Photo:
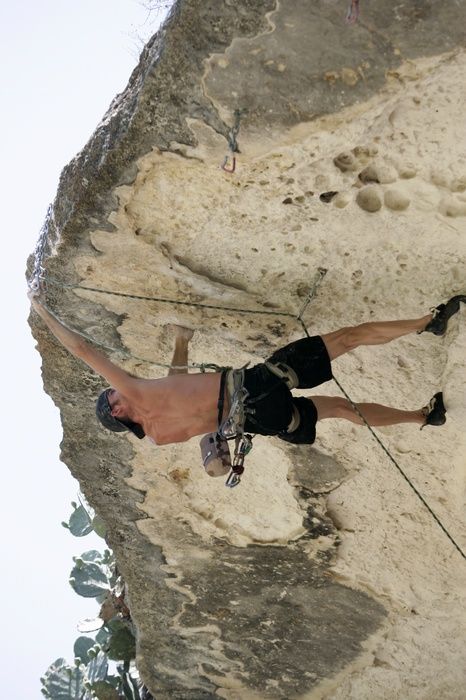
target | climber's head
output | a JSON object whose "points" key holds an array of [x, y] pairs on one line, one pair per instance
{"points": [[111, 409]]}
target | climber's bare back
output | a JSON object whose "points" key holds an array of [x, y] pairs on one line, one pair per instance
{"points": [[176, 408]]}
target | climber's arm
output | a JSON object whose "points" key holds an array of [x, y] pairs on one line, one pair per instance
{"points": [[72, 341]]}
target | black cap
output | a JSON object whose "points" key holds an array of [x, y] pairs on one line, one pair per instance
{"points": [[103, 411]]}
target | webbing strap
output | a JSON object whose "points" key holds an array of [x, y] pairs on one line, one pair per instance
{"points": [[221, 397]]}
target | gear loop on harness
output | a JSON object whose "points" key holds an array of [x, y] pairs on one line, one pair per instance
{"points": [[232, 427]]}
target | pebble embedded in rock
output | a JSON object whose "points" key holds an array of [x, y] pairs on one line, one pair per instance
{"points": [[459, 184], [378, 173], [396, 200], [342, 200], [364, 153], [322, 182], [346, 162], [452, 206], [407, 171], [369, 199], [369, 174], [441, 178]]}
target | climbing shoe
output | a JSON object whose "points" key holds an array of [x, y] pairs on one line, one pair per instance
{"points": [[442, 313], [435, 411]]}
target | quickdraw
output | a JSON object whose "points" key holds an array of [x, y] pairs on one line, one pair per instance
{"points": [[243, 445], [232, 144]]}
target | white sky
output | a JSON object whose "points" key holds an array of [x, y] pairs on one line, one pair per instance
{"points": [[62, 62]]}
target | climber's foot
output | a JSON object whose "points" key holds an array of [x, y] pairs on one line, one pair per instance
{"points": [[435, 411], [442, 313]]}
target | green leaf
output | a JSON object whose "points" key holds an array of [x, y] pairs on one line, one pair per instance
{"points": [[90, 624], [92, 555], [79, 523], [89, 580], [97, 668], [128, 689], [103, 637], [81, 647], [63, 682]]}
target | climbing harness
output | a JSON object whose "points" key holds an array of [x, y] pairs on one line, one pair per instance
{"points": [[242, 408], [215, 450], [234, 422], [229, 163]]}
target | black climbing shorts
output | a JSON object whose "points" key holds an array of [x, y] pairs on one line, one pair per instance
{"points": [[308, 357], [270, 404], [305, 433]]}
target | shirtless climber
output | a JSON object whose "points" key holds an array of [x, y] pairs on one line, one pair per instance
{"points": [[180, 406]]}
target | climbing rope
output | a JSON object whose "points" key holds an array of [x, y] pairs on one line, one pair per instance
{"points": [[54, 282], [203, 366], [318, 277], [393, 460]]}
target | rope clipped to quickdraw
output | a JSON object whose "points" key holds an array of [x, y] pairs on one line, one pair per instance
{"points": [[229, 163], [318, 277]]}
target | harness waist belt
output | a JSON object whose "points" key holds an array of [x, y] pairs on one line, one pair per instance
{"points": [[233, 425], [234, 385]]}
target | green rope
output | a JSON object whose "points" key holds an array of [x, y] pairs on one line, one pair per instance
{"points": [[163, 300], [203, 366]]}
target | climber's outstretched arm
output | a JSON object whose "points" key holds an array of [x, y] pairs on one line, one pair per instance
{"points": [[117, 378]]}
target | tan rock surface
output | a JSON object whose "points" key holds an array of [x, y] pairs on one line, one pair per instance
{"points": [[245, 593]]}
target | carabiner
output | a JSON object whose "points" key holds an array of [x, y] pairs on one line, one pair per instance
{"points": [[225, 164]]}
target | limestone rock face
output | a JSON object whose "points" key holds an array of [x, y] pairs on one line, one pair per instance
{"points": [[322, 574]]}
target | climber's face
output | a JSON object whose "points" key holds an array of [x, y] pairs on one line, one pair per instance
{"points": [[117, 404]]}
